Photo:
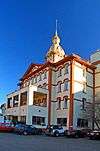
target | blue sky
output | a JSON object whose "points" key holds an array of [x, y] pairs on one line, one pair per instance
{"points": [[26, 29]]}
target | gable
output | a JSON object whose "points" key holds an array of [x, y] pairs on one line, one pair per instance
{"points": [[32, 67]]}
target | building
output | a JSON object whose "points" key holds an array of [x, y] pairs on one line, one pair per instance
{"points": [[3, 109], [58, 91]]}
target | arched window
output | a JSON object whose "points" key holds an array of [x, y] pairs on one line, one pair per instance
{"points": [[59, 72], [83, 103], [35, 80], [84, 87], [66, 68], [32, 81], [59, 87], [39, 86], [40, 77], [58, 103], [65, 85], [44, 85], [65, 102], [45, 74]]}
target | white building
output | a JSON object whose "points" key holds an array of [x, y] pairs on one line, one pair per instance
{"points": [[57, 91]]}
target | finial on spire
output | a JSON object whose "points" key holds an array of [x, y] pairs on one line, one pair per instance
{"points": [[56, 28]]}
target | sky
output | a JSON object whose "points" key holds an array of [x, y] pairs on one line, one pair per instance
{"points": [[26, 29]]}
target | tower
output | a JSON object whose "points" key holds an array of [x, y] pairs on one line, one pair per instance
{"points": [[55, 53]]}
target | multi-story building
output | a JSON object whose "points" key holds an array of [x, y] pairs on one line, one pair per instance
{"points": [[58, 91]]}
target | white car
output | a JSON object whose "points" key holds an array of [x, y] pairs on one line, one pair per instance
{"points": [[54, 130]]}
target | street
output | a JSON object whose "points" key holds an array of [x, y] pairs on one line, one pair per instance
{"points": [[13, 142]]}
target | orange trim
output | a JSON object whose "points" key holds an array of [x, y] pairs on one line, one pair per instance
{"points": [[97, 72], [79, 82], [49, 94], [71, 96], [96, 62], [97, 87], [89, 71], [93, 99], [89, 86], [66, 59]]}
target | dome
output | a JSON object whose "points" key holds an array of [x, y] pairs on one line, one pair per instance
{"points": [[56, 52]]}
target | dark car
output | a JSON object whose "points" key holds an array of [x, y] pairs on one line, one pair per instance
{"points": [[94, 134], [76, 133], [54, 130], [26, 130]]}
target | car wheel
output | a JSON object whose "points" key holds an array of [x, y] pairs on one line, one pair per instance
{"points": [[76, 136], [25, 133], [57, 134]]}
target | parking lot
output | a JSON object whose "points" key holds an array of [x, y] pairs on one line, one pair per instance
{"points": [[13, 142]]}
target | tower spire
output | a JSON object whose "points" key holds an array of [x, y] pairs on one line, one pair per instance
{"points": [[56, 33]]}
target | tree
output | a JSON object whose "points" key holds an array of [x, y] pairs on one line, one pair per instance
{"points": [[92, 113]]}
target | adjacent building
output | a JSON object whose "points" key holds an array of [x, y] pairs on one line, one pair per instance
{"points": [[58, 91]]}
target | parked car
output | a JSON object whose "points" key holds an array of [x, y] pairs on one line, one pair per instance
{"points": [[94, 134], [54, 130], [23, 129], [78, 133], [4, 127]]}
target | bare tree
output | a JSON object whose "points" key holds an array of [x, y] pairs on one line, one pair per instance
{"points": [[92, 112]]}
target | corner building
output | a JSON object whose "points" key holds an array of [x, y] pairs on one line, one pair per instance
{"points": [[56, 92]]}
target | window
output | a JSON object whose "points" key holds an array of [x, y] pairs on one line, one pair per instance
{"points": [[45, 75], [9, 102], [84, 87], [58, 103], [62, 121], [66, 68], [83, 103], [32, 81], [15, 101], [23, 119], [59, 87], [40, 77], [39, 99], [35, 80], [39, 86], [44, 85], [65, 103], [82, 122], [59, 72], [37, 120], [65, 85], [84, 72], [23, 99]]}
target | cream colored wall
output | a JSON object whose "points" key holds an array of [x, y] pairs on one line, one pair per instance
{"points": [[62, 113], [97, 78], [35, 110], [16, 111], [78, 90], [29, 110], [89, 79], [96, 57]]}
